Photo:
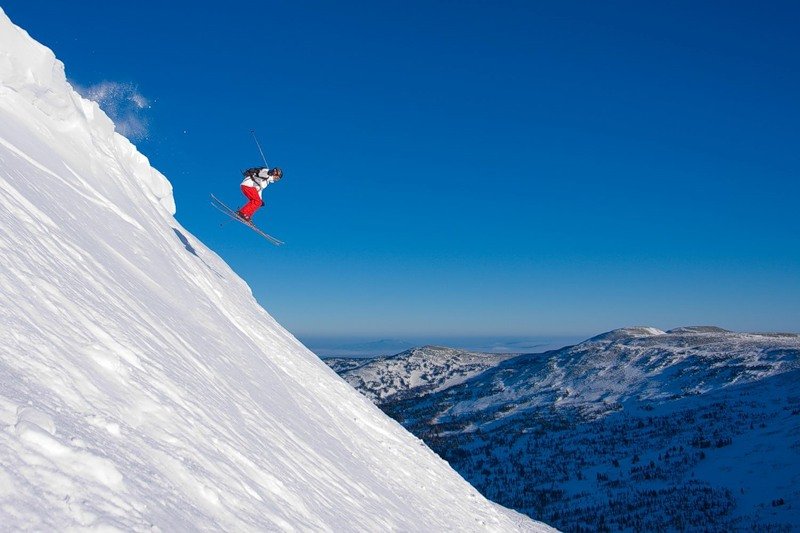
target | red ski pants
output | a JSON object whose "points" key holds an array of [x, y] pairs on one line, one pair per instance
{"points": [[254, 203]]}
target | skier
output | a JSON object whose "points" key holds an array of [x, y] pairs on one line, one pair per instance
{"points": [[255, 181]]}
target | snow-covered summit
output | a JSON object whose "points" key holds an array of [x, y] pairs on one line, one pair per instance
{"points": [[699, 329], [33, 74], [141, 386], [629, 332]]}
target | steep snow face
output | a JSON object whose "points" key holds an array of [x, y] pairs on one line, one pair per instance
{"points": [[141, 386]]}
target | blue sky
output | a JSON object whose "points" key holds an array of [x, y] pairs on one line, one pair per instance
{"points": [[473, 168]]}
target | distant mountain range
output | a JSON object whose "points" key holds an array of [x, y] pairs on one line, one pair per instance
{"points": [[352, 349], [349, 347], [635, 429], [413, 373]]}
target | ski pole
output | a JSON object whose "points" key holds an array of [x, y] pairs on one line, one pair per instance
{"points": [[253, 132]]}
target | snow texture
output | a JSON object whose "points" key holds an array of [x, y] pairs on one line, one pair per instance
{"points": [[141, 385]]}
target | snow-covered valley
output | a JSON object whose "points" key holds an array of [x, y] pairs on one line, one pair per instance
{"points": [[142, 388]]}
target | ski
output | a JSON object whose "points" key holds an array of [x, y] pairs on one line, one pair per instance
{"points": [[220, 205]]}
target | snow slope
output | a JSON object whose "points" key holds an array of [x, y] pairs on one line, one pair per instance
{"points": [[141, 385]]}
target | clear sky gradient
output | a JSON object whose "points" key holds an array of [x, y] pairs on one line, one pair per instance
{"points": [[474, 168]]}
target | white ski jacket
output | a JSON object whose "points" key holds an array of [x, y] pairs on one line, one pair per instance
{"points": [[259, 182]]}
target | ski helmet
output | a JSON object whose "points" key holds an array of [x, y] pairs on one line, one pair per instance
{"points": [[276, 172]]}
